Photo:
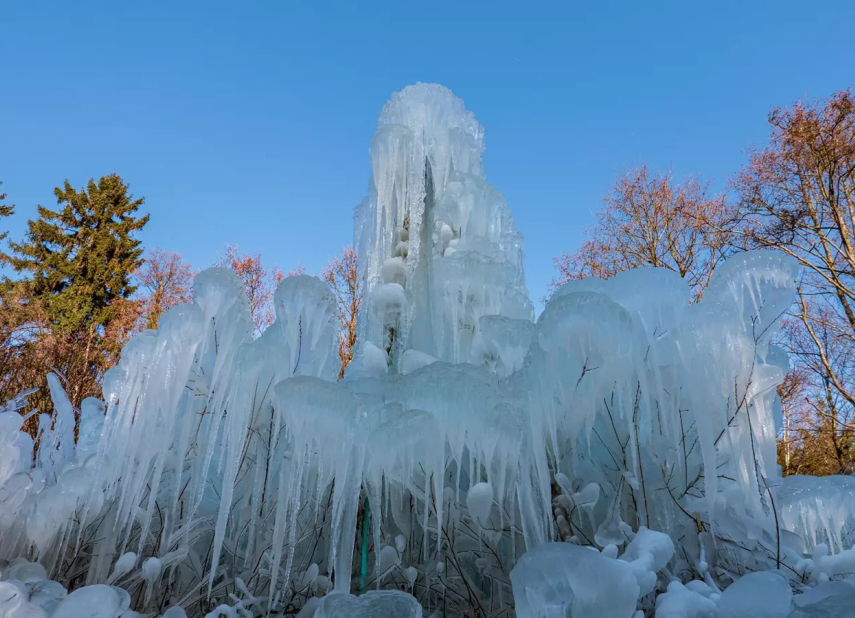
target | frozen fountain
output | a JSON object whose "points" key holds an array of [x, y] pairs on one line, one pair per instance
{"points": [[470, 457]]}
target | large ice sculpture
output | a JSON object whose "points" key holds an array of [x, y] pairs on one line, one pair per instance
{"points": [[438, 244], [235, 476]]}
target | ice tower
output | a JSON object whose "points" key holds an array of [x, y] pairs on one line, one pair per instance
{"points": [[438, 245]]}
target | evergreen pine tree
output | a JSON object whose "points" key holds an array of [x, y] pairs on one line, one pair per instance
{"points": [[72, 300], [78, 260]]}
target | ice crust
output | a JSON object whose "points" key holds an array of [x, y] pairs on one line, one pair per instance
{"points": [[563, 463]]}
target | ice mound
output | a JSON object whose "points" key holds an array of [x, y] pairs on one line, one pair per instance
{"points": [[26, 593], [558, 579], [374, 604], [834, 599], [757, 595]]}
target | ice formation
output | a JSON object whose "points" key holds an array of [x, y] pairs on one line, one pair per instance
{"points": [[615, 457]]}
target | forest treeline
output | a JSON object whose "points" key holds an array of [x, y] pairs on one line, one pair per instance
{"points": [[80, 283]]}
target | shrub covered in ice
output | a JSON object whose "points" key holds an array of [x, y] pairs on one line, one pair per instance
{"points": [[615, 456]]}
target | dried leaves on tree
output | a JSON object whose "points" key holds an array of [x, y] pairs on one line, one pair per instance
{"points": [[259, 282], [342, 276], [797, 195], [166, 281], [649, 219]]}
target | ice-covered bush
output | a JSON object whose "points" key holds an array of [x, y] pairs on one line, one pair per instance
{"points": [[615, 456]]}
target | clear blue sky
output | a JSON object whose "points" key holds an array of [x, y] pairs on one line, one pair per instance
{"points": [[249, 123]]}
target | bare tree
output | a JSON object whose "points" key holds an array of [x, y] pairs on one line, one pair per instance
{"points": [[797, 195], [166, 280], [259, 282], [341, 275], [650, 220]]}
